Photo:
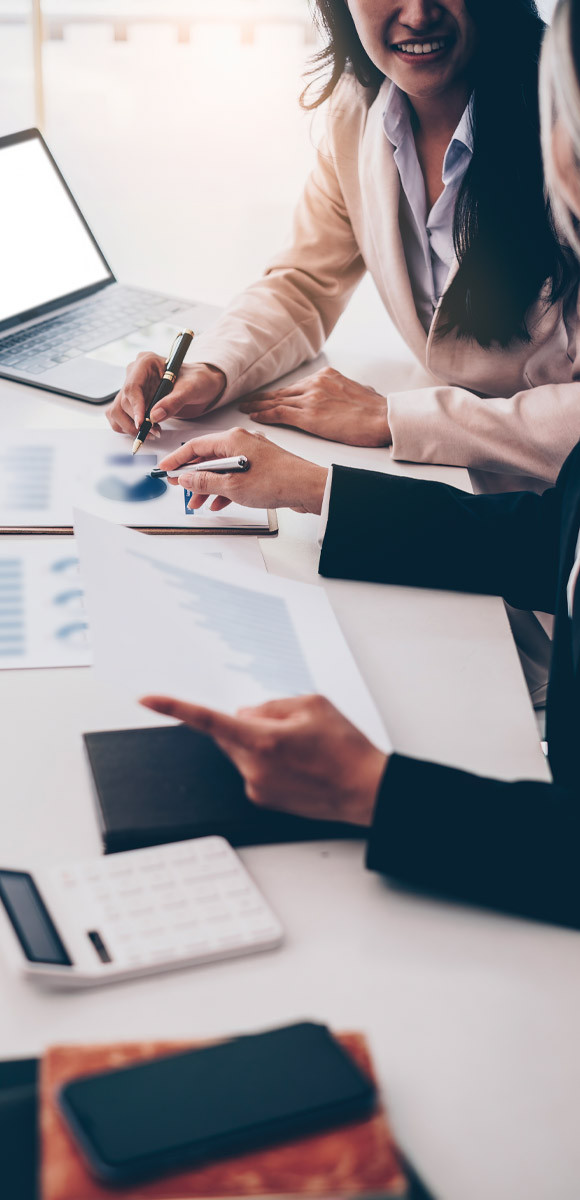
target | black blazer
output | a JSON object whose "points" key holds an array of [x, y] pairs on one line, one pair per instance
{"points": [[509, 846]]}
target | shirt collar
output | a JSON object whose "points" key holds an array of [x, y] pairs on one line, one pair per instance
{"points": [[397, 126], [461, 144], [396, 116]]}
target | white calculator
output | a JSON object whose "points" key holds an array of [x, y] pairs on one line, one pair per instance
{"points": [[134, 913]]}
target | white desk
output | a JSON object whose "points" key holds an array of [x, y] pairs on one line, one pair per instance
{"points": [[472, 1018]]}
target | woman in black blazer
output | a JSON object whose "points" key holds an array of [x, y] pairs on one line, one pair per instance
{"points": [[511, 846]]}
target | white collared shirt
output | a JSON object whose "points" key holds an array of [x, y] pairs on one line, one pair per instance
{"points": [[572, 579], [427, 237]]}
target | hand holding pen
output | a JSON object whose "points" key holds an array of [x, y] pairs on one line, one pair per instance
{"points": [[270, 477], [219, 466], [198, 388], [167, 383]]}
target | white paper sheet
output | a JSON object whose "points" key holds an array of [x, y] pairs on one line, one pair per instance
{"points": [[212, 633], [44, 474], [43, 619]]}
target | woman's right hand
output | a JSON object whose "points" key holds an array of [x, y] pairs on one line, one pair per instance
{"points": [[198, 387], [276, 479]]}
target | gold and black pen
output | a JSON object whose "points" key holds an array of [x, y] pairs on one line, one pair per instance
{"points": [[167, 383]]}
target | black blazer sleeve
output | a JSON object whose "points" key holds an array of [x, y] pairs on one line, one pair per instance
{"points": [[388, 529], [507, 846]]}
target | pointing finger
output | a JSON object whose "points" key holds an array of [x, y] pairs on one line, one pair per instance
{"points": [[276, 709], [205, 720]]}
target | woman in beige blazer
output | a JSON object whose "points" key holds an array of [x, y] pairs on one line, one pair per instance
{"points": [[500, 345], [511, 846]]}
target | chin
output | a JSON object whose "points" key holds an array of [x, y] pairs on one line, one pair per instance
{"points": [[420, 81]]}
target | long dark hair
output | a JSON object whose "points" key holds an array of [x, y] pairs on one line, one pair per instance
{"points": [[503, 232]]}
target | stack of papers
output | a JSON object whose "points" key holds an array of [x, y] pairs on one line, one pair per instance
{"points": [[43, 619]]}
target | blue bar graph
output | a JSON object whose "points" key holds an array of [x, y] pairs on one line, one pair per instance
{"points": [[26, 477], [12, 614], [251, 624]]}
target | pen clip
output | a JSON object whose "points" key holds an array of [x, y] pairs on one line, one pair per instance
{"points": [[173, 345], [175, 340]]}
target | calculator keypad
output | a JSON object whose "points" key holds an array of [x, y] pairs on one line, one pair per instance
{"points": [[183, 901]]}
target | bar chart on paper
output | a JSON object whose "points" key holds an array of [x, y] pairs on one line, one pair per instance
{"points": [[221, 634], [42, 613], [43, 621], [249, 632]]}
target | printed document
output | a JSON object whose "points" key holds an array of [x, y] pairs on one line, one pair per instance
{"points": [[209, 632], [43, 619], [42, 614], [44, 474]]}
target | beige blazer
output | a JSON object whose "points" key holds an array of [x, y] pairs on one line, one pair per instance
{"points": [[513, 412]]}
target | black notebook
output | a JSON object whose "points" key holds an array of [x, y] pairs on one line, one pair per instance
{"points": [[169, 784], [18, 1131]]}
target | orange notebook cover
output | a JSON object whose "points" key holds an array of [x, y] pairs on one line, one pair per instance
{"points": [[355, 1160]]}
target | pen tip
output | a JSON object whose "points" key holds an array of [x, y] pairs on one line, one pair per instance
{"points": [[136, 446]]}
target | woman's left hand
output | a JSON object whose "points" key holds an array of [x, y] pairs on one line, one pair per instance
{"points": [[327, 404], [299, 755]]}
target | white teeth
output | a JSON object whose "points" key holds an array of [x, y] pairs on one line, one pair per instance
{"points": [[420, 47]]}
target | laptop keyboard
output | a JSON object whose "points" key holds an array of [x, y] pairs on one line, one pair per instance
{"points": [[109, 315]]}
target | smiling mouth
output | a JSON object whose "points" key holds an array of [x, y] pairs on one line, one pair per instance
{"points": [[422, 48]]}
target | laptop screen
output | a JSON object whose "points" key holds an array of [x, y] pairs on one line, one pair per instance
{"points": [[46, 250]]}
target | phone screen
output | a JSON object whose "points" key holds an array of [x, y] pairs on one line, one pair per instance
{"points": [[216, 1100]]}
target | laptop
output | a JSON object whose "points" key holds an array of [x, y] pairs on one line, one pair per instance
{"points": [[66, 324]]}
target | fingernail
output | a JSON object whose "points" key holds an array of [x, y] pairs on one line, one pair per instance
{"points": [[159, 414]]}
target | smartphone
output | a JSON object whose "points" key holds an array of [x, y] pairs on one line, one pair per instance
{"points": [[183, 1109]]}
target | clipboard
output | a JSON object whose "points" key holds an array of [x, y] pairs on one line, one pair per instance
{"points": [[271, 529]]}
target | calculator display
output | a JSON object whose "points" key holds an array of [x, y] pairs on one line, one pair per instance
{"points": [[31, 920]]}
